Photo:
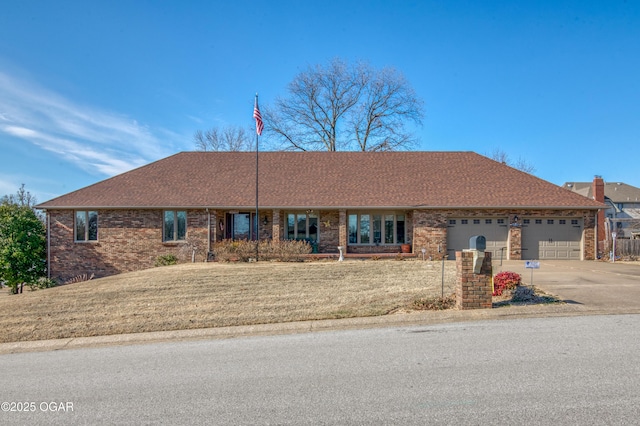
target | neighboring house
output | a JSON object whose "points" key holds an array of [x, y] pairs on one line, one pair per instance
{"points": [[367, 202], [623, 206]]}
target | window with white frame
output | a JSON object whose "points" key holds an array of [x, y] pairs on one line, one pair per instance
{"points": [[175, 225], [376, 228], [86, 227], [302, 225]]}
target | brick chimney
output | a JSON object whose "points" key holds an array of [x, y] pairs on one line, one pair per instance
{"points": [[598, 195]]}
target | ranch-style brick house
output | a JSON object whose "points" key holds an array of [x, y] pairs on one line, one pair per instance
{"points": [[366, 202]]}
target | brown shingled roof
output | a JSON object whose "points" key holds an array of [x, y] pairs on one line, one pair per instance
{"points": [[324, 179], [618, 192]]}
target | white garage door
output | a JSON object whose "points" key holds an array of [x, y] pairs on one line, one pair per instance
{"points": [[495, 231], [552, 238]]}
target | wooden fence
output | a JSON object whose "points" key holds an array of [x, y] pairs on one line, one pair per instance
{"points": [[624, 247]]}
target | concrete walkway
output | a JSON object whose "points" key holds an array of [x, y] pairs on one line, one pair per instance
{"points": [[589, 288]]}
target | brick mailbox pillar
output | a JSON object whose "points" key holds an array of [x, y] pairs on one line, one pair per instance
{"points": [[473, 291]]}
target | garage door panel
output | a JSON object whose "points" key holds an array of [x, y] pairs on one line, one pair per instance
{"points": [[461, 229], [551, 238]]}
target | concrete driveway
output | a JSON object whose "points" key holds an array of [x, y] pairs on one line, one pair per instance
{"points": [[596, 286]]}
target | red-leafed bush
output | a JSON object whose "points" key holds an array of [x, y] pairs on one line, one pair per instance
{"points": [[505, 281]]}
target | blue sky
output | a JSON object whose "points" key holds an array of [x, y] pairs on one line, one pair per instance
{"points": [[89, 89]]}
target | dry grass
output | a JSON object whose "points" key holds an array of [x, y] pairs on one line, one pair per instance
{"points": [[215, 295]]}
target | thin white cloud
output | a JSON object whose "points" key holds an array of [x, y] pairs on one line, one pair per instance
{"points": [[104, 161], [93, 139], [21, 132]]}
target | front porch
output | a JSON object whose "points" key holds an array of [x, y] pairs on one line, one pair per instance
{"points": [[362, 233]]}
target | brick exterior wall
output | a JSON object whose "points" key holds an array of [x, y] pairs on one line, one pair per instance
{"points": [[130, 240], [473, 291], [430, 232], [276, 229], [217, 234], [329, 232], [589, 236]]}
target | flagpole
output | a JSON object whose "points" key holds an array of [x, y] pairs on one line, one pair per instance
{"points": [[257, 219]]}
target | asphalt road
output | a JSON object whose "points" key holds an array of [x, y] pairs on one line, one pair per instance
{"points": [[562, 370]]}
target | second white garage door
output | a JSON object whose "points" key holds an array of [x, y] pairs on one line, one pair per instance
{"points": [[495, 230], [552, 238]]}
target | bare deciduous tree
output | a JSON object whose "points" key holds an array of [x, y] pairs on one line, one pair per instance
{"points": [[345, 107], [521, 164], [230, 138], [22, 198]]}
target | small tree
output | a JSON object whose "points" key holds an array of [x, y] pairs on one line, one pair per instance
{"points": [[230, 138], [521, 164], [22, 198], [22, 246]]}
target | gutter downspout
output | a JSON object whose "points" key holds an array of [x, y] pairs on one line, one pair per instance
{"points": [[208, 234]]}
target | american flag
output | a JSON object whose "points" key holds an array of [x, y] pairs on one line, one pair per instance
{"points": [[258, 117]]}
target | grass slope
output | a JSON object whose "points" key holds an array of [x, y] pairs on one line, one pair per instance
{"points": [[216, 294]]}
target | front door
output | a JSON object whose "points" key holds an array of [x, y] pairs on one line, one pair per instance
{"points": [[239, 226]]}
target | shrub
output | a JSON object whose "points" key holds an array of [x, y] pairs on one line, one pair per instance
{"points": [[434, 304], [79, 278], [42, 283], [243, 251], [505, 281], [230, 250], [166, 260], [287, 250]]}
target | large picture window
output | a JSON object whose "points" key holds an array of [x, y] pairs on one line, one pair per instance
{"points": [[86, 226], [302, 226], [376, 228], [175, 225]]}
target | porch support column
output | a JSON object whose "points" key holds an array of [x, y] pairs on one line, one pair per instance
{"points": [[342, 229], [514, 249], [215, 231], [275, 228], [589, 235]]}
